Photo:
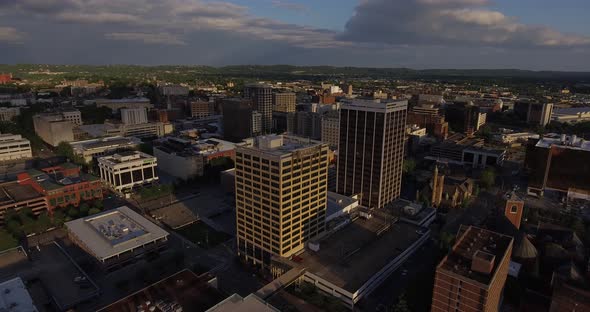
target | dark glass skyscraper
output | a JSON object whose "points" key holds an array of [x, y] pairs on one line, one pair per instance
{"points": [[371, 150], [261, 96]]}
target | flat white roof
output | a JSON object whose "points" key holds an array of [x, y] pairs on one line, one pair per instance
{"points": [[114, 232], [14, 297], [580, 144]]}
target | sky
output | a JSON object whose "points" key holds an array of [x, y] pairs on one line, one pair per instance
{"points": [[521, 34]]}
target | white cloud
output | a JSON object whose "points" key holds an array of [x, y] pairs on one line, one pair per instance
{"points": [[448, 22], [160, 38], [11, 35]]}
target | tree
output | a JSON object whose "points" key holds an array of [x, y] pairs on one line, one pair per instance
{"points": [[84, 209], [488, 178], [7, 241], [98, 204], [73, 212], [402, 304], [93, 211], [58, 218], [409, 166], [147, 148]]}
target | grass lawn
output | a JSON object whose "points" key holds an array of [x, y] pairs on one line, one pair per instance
{"points": [[203, 235], [7, 241]]}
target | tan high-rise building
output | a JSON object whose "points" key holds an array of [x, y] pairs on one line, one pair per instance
{"points": [[281, 187], [472, 276], [371, 150], [284, 102]]}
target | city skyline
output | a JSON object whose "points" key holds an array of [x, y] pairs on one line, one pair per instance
{"points": [[537, 35]]}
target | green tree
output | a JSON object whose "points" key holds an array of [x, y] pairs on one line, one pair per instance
{"points": [[7, 241], [58, 218], [93, 211], [84, 209], [488, 178], [402, 304], [43, 223], [147, 148], [98, 204], [409, 166], [73, 212]]}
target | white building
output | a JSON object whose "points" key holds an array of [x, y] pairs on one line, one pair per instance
{"points": [[14, 297], [8, 113], [13, 146], [116, 236], [72, 115], [571, 115], [124, 171], [53, 128], [134, 116], [101, 147], [186, 159]]}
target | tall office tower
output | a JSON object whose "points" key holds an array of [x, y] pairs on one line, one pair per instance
{"points": [[471, 277], [261, 96], [281, 187], [134, 116], [284, 102], [371, 150], [237, 119]]}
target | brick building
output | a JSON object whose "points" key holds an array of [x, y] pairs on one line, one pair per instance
{"points": [[62, 185], [471, 277]]}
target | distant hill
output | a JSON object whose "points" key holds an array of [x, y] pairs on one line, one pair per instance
{"points": [[187, 73]]}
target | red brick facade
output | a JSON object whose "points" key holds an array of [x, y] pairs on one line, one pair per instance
{"points": [[61, 194]]}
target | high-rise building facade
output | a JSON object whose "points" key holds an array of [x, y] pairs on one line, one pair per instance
{"points": [[201, 109], [371, 150], [472, 276], [237, 119], [134, 116], [281, 187], [330, 128], [284, 102], [261, 96]]}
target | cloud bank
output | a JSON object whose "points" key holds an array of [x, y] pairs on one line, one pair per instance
{"points": [[415, 33]]}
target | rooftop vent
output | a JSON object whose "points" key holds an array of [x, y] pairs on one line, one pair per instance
{"points": [[483, 262]]}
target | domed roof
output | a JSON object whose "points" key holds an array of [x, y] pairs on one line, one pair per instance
{"points": [[524, 249]]}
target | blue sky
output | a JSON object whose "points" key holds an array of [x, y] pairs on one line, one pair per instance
{"points": [[525, 34]]}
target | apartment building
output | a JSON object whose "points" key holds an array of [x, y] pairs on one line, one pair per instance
{"points": [[9, 113], [201, 109], [284, 102]]}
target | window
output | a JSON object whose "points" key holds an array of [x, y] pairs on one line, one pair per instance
{"points": [[514, 209]]}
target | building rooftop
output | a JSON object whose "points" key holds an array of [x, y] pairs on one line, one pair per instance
{"points": [[337, 202], [183, 291], [12, 192], [279, 145], [126, 156], [129, 100], [106, 142], [375, 105], [349, 257], [564, 141], [571, 111], [235, 303], [474, 243], [14, 297], [115, 231]]}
